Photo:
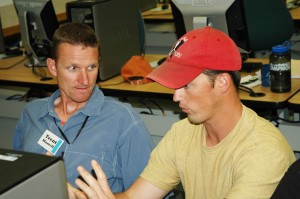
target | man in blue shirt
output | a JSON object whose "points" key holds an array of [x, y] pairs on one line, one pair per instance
{"points": [[78, 121]]}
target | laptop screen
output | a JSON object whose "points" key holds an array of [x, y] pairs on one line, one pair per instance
{"points": [[22, 175]]}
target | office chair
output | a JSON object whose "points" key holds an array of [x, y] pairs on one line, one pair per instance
{"points": [[288, 187]]}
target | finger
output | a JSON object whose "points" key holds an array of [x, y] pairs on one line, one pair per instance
{"points": [[75, 193], [71, 194], [101, 177], [48, 153], [70, 185], [90, 186], [71, 191], [104, 189]]}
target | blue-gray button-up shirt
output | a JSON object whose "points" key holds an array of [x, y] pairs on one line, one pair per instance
{"points": [[114, 135]]}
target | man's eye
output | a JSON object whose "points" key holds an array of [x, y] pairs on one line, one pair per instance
{"points": [[92, 67], [72, 68]]}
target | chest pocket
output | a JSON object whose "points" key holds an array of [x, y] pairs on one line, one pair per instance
{"points": [[74, 158]]}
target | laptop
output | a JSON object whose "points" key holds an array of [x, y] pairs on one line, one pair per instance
{"points": [[30, 175]]}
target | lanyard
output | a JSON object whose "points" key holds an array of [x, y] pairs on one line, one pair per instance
{"points": [[62, 133]]}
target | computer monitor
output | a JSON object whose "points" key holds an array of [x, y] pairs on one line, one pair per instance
{"points": [[38, 23], [30, 175], [254, 25], [117, 26]]}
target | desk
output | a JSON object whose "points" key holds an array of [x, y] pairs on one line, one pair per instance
{"points": [[271, 100], [147, 15], [295, 13], [13, 30], [167, 14], [21, 75], [163, 15], [158, 15]]}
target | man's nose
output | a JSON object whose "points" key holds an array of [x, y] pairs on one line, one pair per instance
{"points": [[178, 95], [83, 79]]}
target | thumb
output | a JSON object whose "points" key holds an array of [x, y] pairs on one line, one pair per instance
{"points": [[48, 153]]}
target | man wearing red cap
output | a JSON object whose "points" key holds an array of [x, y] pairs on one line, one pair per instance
{"points": [[222, 149]]}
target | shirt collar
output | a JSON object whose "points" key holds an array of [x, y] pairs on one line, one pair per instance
{"points": [[92, 107]]}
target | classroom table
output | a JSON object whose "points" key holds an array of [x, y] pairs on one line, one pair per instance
{"points": [[21, 75]]}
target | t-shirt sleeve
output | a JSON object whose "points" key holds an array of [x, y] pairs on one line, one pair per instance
{"points": [[134, 153], [161, 170]]}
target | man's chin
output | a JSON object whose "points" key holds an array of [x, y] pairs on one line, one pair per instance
{"points": [[192, 121], [82, 97], [81, 100]]}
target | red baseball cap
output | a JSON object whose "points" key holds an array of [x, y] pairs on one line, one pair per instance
{"points": [[198, 50]]}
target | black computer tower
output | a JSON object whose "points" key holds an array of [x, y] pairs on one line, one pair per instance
{"points": [[116, 24]]}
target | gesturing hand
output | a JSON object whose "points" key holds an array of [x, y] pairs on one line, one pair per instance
{"points": [[94, 188]]}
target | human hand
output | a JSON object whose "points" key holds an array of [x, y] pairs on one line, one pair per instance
{"points": [[74, 193], [94, 188]]}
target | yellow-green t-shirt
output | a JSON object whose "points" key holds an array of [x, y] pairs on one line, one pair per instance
{"points": [[248, 163]]}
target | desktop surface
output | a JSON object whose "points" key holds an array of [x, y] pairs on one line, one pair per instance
{"points": [[161, 13], [116, 86]]}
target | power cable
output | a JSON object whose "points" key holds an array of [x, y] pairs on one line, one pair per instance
{"points": [[251, 92]]}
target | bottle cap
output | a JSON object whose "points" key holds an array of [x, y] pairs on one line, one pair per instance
{"points": [[281, 48]]}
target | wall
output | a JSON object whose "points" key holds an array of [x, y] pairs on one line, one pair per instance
{"points": [[9, 16]]}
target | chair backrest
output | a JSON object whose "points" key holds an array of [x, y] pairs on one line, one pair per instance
{"points": [[289, 185]]}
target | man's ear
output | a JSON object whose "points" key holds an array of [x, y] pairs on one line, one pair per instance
{"points": [[224, 81], [51, 66]]}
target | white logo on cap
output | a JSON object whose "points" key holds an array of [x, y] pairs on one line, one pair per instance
{"points": [[176, 46]]}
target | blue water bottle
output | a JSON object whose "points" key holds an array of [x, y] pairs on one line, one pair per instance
{"points": [[280, 68]]}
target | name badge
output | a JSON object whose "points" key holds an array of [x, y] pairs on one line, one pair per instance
{"points": [[50, 142]]}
